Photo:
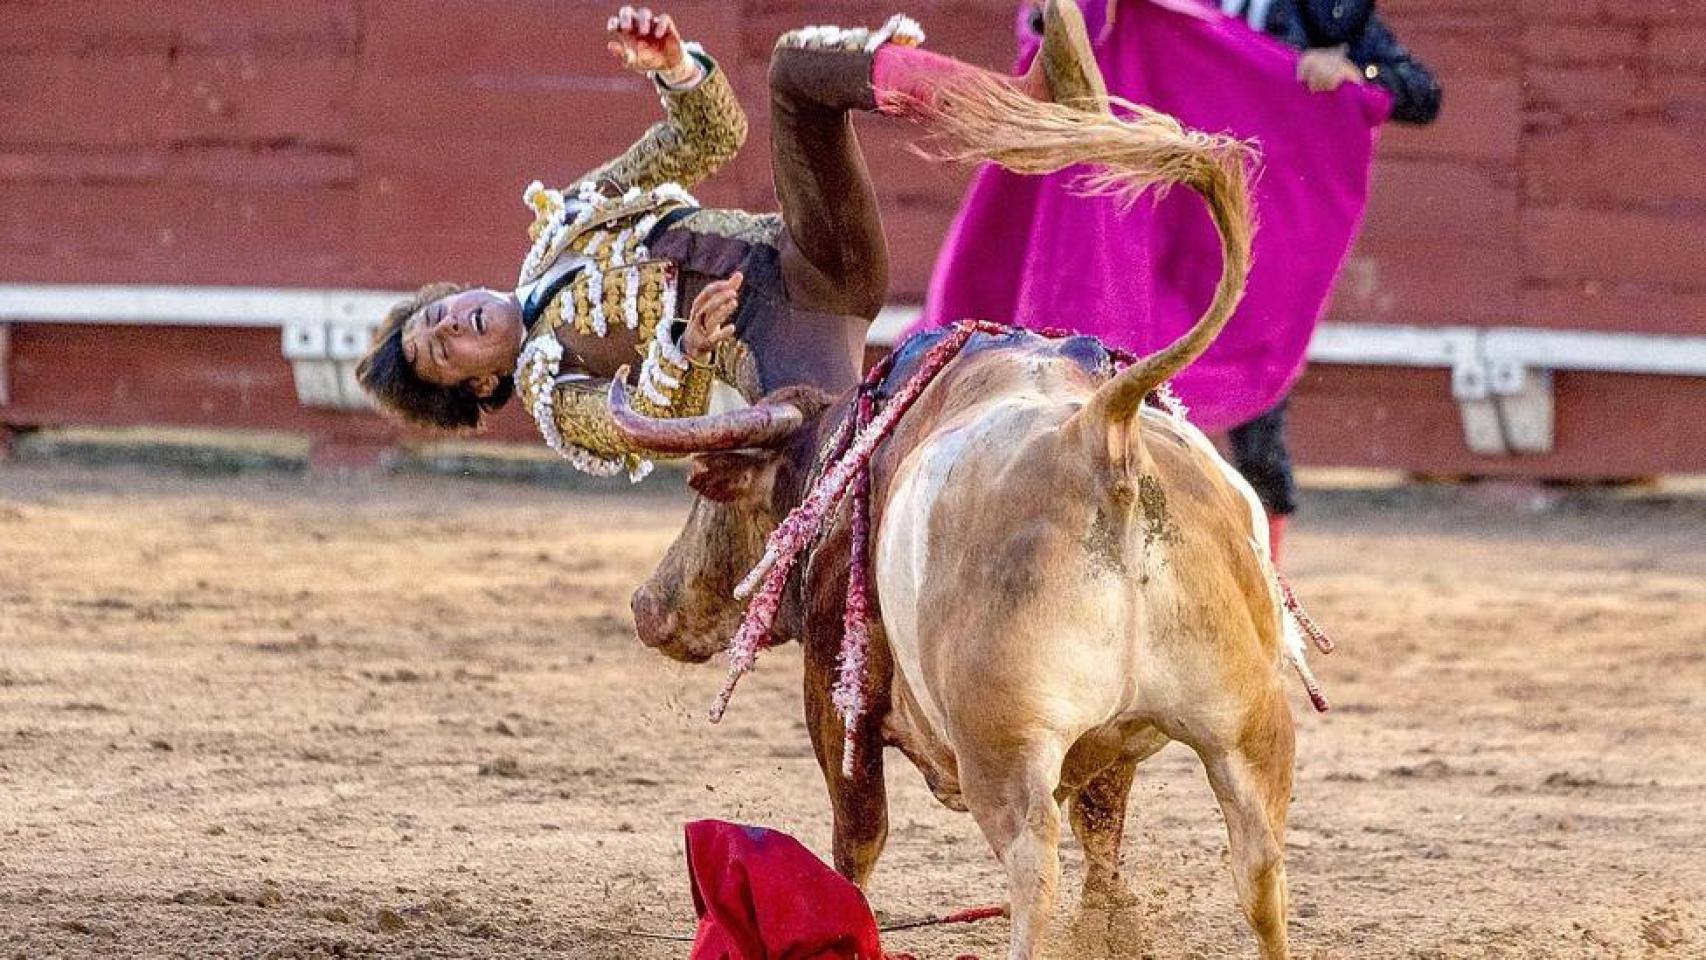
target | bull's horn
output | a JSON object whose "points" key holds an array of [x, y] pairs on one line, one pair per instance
{"points": [[763, 425]]}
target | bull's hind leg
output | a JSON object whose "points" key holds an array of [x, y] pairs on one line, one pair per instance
{"points": [[1253, 783], [1013, 801], [1098, 820]]}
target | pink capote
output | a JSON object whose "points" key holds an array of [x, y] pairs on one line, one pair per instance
{"points": [[1028, 250]]}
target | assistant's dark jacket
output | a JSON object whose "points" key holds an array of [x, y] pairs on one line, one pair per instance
{"points": [[1368, 42]]}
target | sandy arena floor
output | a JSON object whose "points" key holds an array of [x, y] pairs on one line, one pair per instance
{"points": [[276, 717]]}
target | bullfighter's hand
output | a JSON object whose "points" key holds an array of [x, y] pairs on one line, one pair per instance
{"points": [[1325, 69], [708, 320], [648, 43]]}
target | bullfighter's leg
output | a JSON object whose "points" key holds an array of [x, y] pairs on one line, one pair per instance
{"points": [[1012, 798], [860, 799], [1098, 821], [1252, 781], [835, 258]]}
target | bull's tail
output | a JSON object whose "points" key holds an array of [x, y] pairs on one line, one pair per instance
{"points": [[985, 120]]}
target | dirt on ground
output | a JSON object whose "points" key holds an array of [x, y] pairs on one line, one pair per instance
{"points": [[285, 717]]}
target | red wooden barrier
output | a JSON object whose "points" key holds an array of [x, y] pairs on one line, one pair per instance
{"points": [[355, 143]]}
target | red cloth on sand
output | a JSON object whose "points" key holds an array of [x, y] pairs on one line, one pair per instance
{"points": [[761, 895]]}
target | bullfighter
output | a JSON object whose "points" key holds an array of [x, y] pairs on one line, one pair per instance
{"points": [[775, 300]]}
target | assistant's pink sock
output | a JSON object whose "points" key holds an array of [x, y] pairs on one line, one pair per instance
{"points": [[1276, 533]]}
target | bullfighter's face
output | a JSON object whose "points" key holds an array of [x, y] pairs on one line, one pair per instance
{"points": [[469, 337]]}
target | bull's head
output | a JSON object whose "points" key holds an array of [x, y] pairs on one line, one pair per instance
{"points": [[748, 467]]}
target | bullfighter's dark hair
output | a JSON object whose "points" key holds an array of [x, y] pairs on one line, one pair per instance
{"points": [[387, 377]]}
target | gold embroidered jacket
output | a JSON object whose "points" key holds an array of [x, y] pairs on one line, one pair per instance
{"points": [[598, 228]]}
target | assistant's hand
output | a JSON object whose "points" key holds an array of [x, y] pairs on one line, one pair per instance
{"points": [[646, 43], [1325, 69], [708, 319]]}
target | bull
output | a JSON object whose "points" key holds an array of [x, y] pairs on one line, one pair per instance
{"points": [[1067, 579]]}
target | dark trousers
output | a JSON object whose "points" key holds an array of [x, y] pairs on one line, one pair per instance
{"points": [[835, 258], [1260, 454], [832, 256]]}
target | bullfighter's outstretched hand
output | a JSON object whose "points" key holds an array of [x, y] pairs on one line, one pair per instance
{"points": [[650, 43]]}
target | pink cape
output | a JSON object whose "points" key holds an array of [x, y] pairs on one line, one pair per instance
{"points": [[1027, 250]]}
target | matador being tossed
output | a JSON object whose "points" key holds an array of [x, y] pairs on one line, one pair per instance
{"points": [[774, 300]]}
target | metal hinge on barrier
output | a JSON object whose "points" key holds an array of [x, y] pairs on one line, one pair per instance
{"points": [[1472, 388], [1522, 396]]}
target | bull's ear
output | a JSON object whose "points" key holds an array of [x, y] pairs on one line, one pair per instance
{"points": [[733, 476]]}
